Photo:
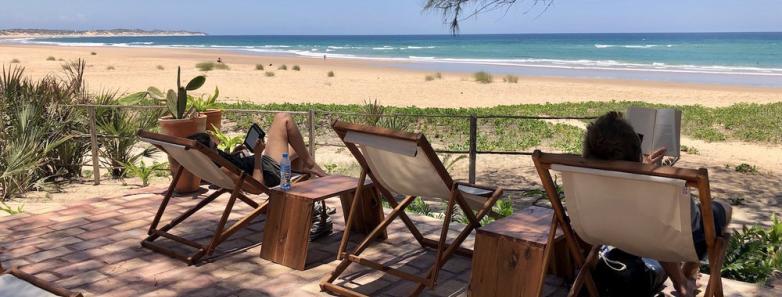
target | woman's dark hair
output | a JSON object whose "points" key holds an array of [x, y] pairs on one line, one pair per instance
{"points": [[611, 137], [202, 138]]}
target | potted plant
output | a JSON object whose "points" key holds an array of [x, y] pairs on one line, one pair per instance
{"points": [[182, 121], [206, 106]]}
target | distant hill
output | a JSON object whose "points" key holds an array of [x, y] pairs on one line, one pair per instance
{"points": [[106, 33]]}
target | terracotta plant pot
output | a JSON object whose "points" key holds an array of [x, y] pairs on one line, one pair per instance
{"points": [[188, 182], [214, 119]]}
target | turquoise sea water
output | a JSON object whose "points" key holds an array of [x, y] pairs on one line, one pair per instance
{"points": [[741, 58]]}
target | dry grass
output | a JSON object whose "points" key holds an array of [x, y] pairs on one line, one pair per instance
{"points": [[258, 66], [512, 79], [269, 73], [482, 77], [296, 68], [50, 58], [330, 74]]}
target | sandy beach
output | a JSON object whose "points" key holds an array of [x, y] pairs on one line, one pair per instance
{"points": [[355, 81]]}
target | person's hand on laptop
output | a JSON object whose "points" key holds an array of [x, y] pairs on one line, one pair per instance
{"points": [[259, 146], [656, 157]]}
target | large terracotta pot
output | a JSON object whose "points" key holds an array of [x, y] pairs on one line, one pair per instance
{"points": [[214, 119], [188, 182]]}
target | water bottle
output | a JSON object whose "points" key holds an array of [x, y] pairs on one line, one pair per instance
{"points": [[285, 172]]}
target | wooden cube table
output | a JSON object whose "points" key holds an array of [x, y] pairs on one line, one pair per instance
{"points": [[287, 231], [510, 255]]}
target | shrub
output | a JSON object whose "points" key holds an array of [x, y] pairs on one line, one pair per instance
{"points": [[222, 66], [689, 149], [746, 168], [160, 67], [145, 172], [110, 68], [258, 66], [120, 125], [330, 74], [205, 66], [269, 73], [282, 67], [482, 77], [93, 53], [226, 143], [438, 75], [512, 79], [38, 118], [754, 253], [15, 60], [296, 68], [50, 58], [428, 78]]}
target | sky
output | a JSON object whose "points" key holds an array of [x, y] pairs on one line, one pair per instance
{"points": [[316, 17]]}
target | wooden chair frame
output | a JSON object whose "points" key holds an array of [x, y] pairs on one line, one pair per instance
{"points": [[444, 250], [716, 244], [40, 283], [243, 183]]}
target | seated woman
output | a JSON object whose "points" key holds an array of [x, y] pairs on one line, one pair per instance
{"points": [[264, 164], [610, 137]]}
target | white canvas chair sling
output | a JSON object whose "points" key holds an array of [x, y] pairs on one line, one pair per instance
{"points": [[641, 209], [405, 164], [200, 161], [14, 282]]}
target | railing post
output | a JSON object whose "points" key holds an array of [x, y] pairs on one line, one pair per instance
{"points": [[311, 128], [94, 145], [473, 146]]}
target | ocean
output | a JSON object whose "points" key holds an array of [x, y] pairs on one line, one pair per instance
{"points": [[720, 58]]}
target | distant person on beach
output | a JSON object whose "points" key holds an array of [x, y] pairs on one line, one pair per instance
{"points": [[611, 137], [219, 60], [324, 57]]}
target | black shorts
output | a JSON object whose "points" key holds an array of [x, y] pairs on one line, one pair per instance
{"points": [[271, 170], [720, 221]]}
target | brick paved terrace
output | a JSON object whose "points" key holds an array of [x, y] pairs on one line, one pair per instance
{"points": [[93, 247]]}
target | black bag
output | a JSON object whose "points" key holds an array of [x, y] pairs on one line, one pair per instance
{"points": [[619, 274]]}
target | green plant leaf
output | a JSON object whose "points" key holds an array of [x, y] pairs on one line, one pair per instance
{"points": [[213, 99], [155, 92], [195, 83], [171, 102], [181, 103]]}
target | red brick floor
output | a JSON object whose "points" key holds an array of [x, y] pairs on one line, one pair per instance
{"points": [[93, 247]]}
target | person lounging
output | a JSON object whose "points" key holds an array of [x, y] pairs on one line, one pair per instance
{"points": [[263, 162], [611, 137]]}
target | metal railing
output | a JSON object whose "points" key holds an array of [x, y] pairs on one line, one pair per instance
{"points": [[311, 115]]}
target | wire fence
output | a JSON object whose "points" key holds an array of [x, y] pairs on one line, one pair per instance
{"points": [[312, 122]]}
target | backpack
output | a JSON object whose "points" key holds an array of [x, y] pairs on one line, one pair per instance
{"points": [[620, 274]]}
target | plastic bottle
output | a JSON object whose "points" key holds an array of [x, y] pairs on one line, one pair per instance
{"points": [[285, 172]]}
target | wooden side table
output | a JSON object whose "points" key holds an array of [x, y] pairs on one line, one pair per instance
{"points": [[511, 256], [289, 219]]}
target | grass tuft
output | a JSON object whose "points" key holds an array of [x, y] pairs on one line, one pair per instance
{"points": [[746, 168], [511, 79], [160, 67], [689, 149], [269, 73], [15, 60], [110, 68], [258, 66], [50, 58], [428, 78], [206, 66], [222, 66], [296, 68], [93, 53], [282, 67], [482, 77], [330, 74]]}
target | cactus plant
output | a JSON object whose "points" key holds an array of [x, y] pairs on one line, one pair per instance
{"points": [[177, 100]]}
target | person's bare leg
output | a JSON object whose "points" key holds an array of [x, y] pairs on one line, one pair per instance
{"points": [[690, 271], [284, 136], [680, 282]]}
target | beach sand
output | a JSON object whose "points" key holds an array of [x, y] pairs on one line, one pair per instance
{"points": [[355, 81]]}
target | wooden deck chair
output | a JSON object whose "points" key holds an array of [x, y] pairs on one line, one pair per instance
{"points": [[203, 162], [14, 282], [405, 164], [633, 206]]}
